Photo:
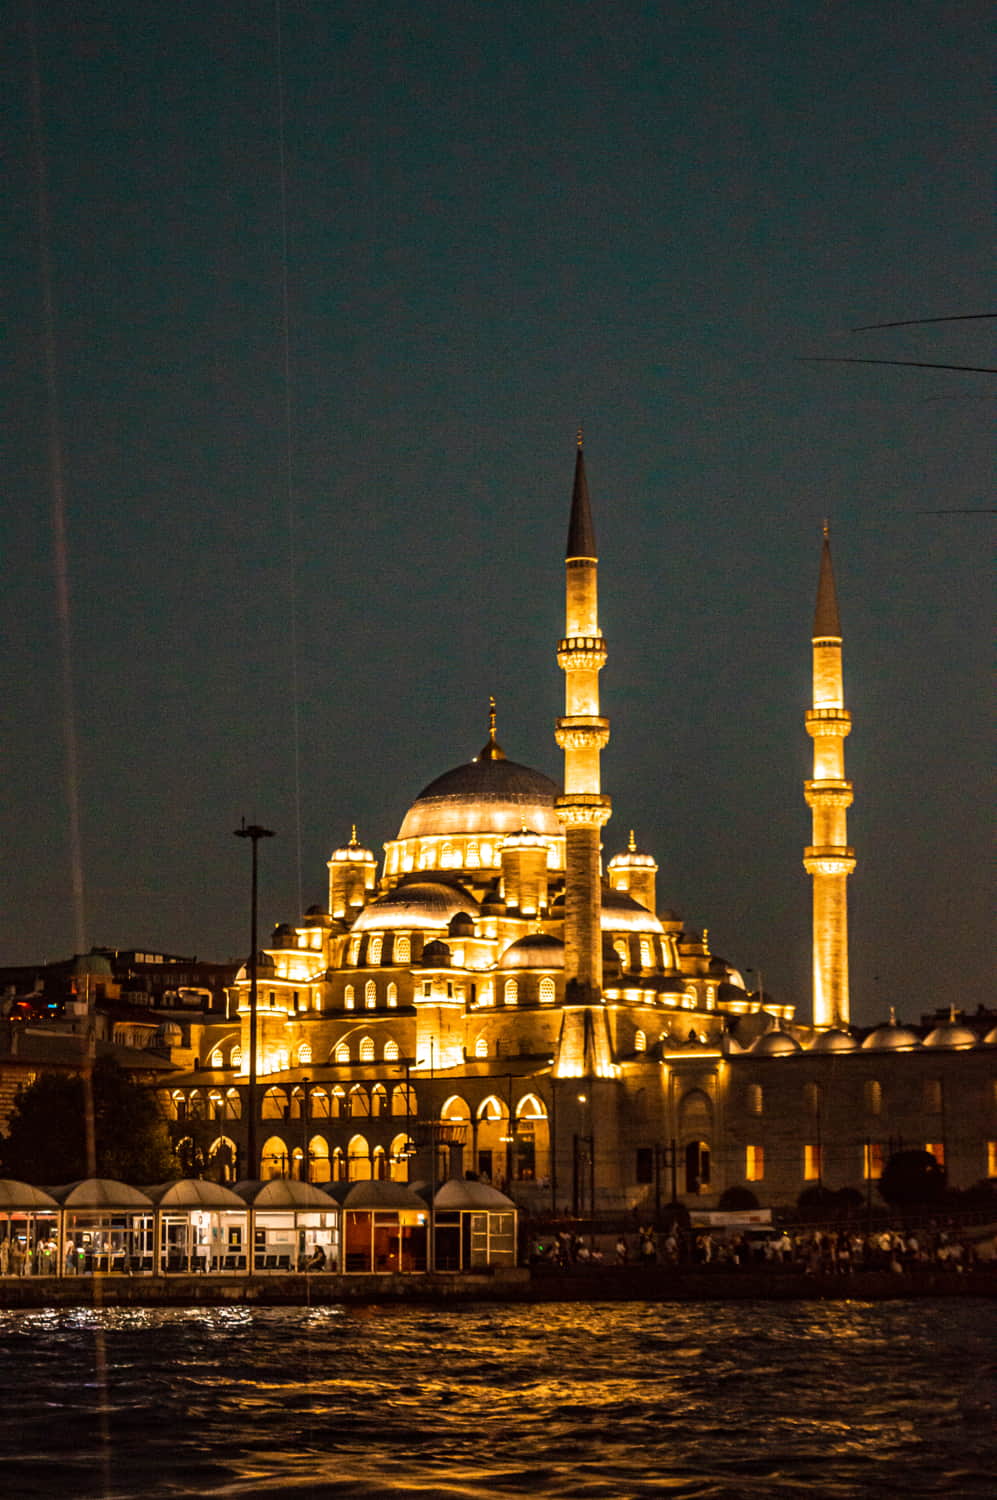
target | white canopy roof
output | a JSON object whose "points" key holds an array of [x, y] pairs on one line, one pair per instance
{"points": [[14, 1194], [100, 1192]]}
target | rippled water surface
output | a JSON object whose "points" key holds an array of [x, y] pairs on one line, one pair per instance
{"points": [[595, 1400]]}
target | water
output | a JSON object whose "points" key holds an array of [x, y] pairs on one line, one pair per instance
{"points": [[573, 1401]]}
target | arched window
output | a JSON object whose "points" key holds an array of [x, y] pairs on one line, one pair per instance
{"points": [[338, 1165], [350, 997], [473, 856], [640, 1041], [403, 948], [481, 1047], [400, 1151], [354, 952], [216, 1105], [359, 1159], [304, 1054], [403, 1100], [370, 995], [548, 991], [812, 1098], [233, 1104], [367, 1049], [873, 1097], [274, 1105], [217, 1059], [380, 1165], [298, 1164], [337, 1102], [273, 1162], [221, 1159], [318, 1104], [359, 1102], [510, 994], [318, 1159], [236, 1057], [342, 1052], [283, 1059], [378, 1100], [392, 996], [646, 959], [754, 1099], [391, 1050], [374, 950], [622, 951]]}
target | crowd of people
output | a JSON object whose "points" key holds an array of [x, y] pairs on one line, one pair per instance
{"points": [[816, 1252]]}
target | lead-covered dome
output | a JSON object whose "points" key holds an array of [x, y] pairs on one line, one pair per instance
{"points": [[538, 950], [488, 795], [415, 905], [953, 1035], [775, 1043], [833, 1040]]}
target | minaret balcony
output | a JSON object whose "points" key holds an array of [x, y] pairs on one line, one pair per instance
{"points": [[582, 732], [829, 859], [583, 809], [582, 653], [827, 723], [828, 793]]}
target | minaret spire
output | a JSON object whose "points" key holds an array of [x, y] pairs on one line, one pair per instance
{"points": [[829, 860], [581, 733]]}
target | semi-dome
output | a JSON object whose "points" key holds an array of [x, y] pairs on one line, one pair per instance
{"points": [[415, 905], [538, 950], [488, 795], [775, 1043], [833, 1040], [953, 1035], [621, 913]]}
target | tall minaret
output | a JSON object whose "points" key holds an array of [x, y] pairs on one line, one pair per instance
{"points": [[581, 734], [829, 860]]}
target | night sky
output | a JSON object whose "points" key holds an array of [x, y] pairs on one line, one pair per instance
{"points": [[502, 221]]}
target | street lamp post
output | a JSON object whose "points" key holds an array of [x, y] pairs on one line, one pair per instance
{"points": [[254, 832]]}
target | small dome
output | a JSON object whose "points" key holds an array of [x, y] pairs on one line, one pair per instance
{"points": [[435, 955], [621, 913], [462, 925], [632, 858], [535, 951], [353, 853], [415, 905], [990, 1040], [833, 1040], [169, 1034], [775, 1043], [892, 1037], [951, 1035], [265, 968], [524, 839]]}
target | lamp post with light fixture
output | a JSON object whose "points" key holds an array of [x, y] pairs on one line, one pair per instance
{"points": [[255, 833]]}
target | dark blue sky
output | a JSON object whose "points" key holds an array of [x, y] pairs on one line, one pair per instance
{"points": [[502, 220]]}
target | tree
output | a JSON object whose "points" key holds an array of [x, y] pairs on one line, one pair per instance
{"points": [[912, 1179], [736, 1198], [46, 1140]]}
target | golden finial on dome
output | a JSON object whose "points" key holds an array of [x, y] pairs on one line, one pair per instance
{"points": [[632, 845], [353, 833], [827, 529], [492, 719], [493, 750], [580, 438]]}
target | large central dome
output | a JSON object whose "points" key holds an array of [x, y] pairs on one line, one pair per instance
{"points": [[486, 795]]}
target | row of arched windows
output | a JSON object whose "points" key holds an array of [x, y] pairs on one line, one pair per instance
{"points": [[395, 949], [370, 996], [357, 1163]]}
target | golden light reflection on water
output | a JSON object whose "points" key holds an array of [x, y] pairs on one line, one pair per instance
{"points": [[561, 1401]]}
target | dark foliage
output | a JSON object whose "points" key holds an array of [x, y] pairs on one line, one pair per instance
{"points": [[47, 1138], [912, 1179], [734, 1198]]}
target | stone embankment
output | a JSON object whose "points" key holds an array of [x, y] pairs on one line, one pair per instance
{"points": [[542, 1284]]}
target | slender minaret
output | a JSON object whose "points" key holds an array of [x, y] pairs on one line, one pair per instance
{"points": [[829, 860], [583, 809]]}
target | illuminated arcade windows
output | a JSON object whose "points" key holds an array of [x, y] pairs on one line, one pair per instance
{"points": [[547, 991], [367, 1049], [390, 1050], [370, 995]]}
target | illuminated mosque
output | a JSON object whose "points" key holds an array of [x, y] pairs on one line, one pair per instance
{"points": [[495, 1003]]}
